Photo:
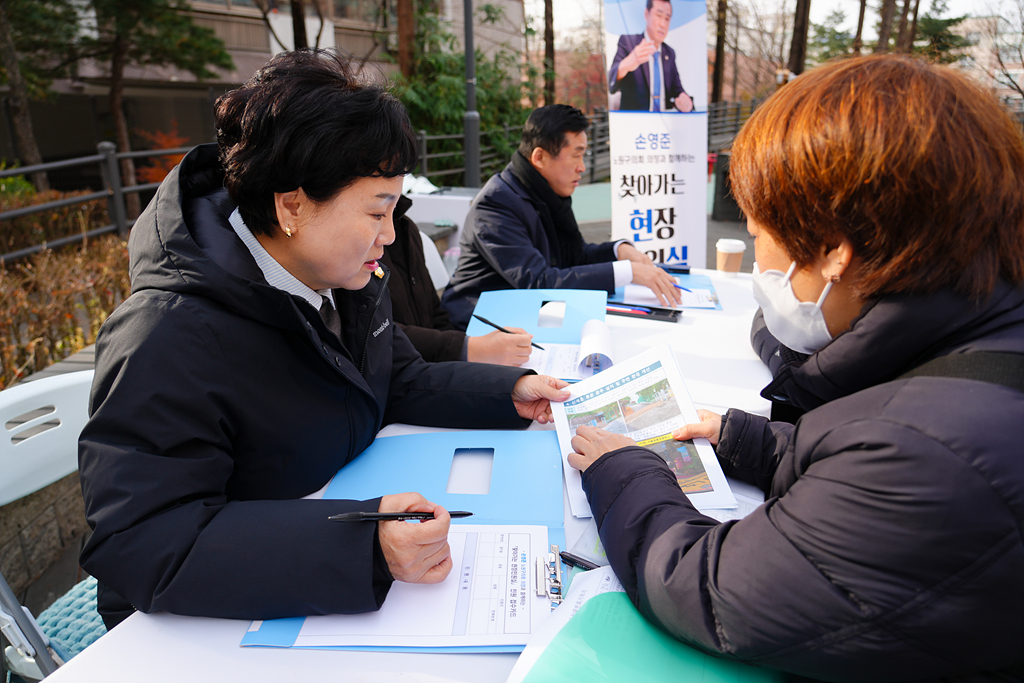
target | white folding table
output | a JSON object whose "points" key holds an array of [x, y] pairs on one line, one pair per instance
{"points": [[721, 371]]}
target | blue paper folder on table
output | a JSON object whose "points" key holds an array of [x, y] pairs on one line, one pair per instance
{"points": [[521, 308], [525, 488]]}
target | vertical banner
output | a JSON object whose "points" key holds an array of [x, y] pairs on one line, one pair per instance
{"points": [[657, 102]]}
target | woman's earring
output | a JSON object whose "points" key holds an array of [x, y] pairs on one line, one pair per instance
{"points": [[287, 231]]}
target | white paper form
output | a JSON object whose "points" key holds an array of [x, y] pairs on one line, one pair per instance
{"points": [[573, 362], [488, 599], [638, 295], [643, 398]]}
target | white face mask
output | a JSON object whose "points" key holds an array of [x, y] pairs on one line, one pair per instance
{"points": [[797, 324]]}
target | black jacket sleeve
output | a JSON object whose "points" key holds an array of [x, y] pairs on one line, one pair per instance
{"points": [[503, 236], [455, 394], [155, 460], [436, 345]]}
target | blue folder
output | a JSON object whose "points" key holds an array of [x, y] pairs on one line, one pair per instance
{"points": [[687, 280], [525, 488], [521, 308]]}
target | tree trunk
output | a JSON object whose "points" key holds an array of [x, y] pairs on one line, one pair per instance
{"points": [[885, 27], [17, 98], [901, 34], [912, 34], [299, 24], [718, 76], [549, 52], [858, 40], [406, 38], [117, 64], [735, 57], [798, 48]]}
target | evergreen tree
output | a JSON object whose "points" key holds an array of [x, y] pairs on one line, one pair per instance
{"points": [[435, 95], [828, 39], [36, 38], [940, 43], [142, 32]]}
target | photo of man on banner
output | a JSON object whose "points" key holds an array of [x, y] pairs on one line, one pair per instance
{"points": [[645, 72], [657, 135]]}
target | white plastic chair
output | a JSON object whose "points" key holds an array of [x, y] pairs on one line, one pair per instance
{"points": [[435, 266], [38, 446], [41, 422]]}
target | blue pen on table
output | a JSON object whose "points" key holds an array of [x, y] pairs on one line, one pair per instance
{"points": [[392, 516], [684, 289], [485, 321]]}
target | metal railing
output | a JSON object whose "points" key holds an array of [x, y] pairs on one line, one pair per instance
{"points": [[493, 159], [725, 119], [114, 192]]}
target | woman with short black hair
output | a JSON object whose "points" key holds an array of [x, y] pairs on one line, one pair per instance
{"points": [[257, 356]]}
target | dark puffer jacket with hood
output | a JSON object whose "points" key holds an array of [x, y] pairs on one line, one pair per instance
{"points": [[891, 543], [219, 401]]}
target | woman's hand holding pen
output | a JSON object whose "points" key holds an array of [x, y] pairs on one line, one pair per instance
{"points": [[501, 348], [415, 553], [533, 394]]}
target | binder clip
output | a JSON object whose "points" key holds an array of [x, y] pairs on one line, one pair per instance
{"points": [[549, 577]]}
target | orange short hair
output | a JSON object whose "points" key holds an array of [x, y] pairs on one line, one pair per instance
{"points": [[920, 168]]}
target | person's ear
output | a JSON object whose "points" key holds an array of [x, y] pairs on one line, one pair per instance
{"points": [[836, 260], [289, 207], [538, 157]]}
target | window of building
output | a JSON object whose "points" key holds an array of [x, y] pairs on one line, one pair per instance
{"points": [[356, 10]]}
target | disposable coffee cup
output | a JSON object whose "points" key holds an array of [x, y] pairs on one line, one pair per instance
{"points": [[730, 255]]}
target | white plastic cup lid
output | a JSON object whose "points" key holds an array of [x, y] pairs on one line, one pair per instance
{"points": [[731, 246]]}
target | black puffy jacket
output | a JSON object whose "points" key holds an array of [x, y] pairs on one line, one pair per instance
{"points": [[891, 543], [219, 400]]}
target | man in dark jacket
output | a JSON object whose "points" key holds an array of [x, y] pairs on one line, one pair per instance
{"points": [[521, 233]]}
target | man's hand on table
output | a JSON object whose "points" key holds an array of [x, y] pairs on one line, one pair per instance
{"points": [[415, 552], [627, 252], [658, 281], [501, 348], [590, 443], [533, 394], [709, 427]]}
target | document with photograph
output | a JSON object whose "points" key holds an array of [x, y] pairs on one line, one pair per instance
{"points": [[643, 398]]}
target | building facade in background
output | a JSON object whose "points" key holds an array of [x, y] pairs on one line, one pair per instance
{"points": [[171, 104]]}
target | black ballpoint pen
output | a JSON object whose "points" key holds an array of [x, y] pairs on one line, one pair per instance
{"points": [[577, 561], [485, 321], [391, 516]]}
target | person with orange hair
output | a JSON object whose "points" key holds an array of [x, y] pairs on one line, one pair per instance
{"points": [[885, 198]]}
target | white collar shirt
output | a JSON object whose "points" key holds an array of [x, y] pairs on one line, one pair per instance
{"points": [[276, 274]]}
